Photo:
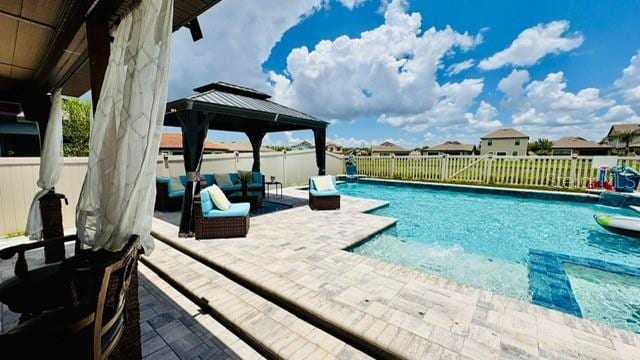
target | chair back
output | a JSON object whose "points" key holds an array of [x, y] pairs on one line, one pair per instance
{"points": [[111, 299]]}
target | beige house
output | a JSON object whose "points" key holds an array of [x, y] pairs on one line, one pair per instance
{"points": [[334, 148], [580, 146], [388, 148], [452, 148], [504, 142], [620, 128]]}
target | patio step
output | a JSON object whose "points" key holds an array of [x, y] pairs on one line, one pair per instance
{"points": [[269, 329]]}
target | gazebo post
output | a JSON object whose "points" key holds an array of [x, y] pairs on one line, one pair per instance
{"points": [[255, 137], [320, 139], [194, 131]]}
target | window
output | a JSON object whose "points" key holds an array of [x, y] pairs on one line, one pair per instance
{"points": [[517, 142], [489, 142], [501, 153], [491, 153], [515, 153]]}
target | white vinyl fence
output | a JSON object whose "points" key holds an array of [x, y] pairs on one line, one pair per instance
{"points": [[18, 178], [531, 171]]}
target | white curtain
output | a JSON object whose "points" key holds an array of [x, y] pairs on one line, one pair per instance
{"points": [[118, 193], [51, 160]]}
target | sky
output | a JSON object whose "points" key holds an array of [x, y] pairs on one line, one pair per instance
{"points": [[420, 72]]}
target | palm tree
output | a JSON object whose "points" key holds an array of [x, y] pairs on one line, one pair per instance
{"points": [[541, 147], [625, 137]]}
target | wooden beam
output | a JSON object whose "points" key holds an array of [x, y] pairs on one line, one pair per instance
{"points": [[98, 46]]}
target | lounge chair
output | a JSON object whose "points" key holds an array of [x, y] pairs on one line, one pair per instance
{"points": [[212, 222], [323, 199], [169, 193]]}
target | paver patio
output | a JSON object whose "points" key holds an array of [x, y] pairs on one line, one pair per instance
{"points": [[298, 255]]}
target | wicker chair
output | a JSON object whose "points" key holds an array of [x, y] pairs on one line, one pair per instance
{"points": [[166, 200], [211, 227], [92, 322], [323, 200]]}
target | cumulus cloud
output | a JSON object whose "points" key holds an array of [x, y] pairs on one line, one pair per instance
{"points": [[351, 4], [234, 47], [485, 117], [629, 83], [388, 73], [533, 44], [459, 67], [545, 108]]}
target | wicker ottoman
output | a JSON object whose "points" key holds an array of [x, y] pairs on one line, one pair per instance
{"points": [[163, 201], [324, 202]]}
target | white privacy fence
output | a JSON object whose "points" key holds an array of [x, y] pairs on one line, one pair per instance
{"points": [[543, 171], [18, 178]]}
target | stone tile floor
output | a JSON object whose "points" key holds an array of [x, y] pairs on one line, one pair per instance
{"points": [[297, 254], [172, 326]]}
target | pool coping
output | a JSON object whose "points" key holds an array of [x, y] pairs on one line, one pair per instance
{"points": [[520, 193]]}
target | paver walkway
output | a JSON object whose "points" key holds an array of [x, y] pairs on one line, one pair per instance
{"points": [[297, 255]]}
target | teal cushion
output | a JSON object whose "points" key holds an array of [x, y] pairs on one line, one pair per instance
{"points": [[234, 178], [209, 179], [177, 193], [317, 193], [162, 179], [236, 187], [312, 182], [256, 177], [205, 201], [237, 209]]}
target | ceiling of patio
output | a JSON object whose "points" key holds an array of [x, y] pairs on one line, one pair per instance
{"points": [[44, 42]]}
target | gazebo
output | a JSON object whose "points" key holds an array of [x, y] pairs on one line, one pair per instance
{"points": [[229, 107]]}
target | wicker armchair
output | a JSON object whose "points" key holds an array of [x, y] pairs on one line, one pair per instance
{"points": [[211, 226], [323, 200], [167, 200], [92, 324]]}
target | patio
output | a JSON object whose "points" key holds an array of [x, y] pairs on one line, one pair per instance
{"points": [[295, 258]]}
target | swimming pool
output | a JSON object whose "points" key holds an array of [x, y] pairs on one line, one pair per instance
{"points": [[549, 252]]}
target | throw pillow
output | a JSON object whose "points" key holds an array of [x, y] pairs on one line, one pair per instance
{"points": [[324, 183], [218, 198], [223, 180]]}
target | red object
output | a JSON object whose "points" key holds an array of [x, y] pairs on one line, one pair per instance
{"points": [[608, 185]]}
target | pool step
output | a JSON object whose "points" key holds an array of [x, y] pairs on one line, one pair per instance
{"points": [[269, 329]]}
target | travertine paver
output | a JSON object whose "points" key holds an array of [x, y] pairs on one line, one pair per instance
{"points": [[171, 326], [260, 319], [298, 254]]}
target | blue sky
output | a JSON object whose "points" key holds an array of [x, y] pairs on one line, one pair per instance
{"points": [[422, 72]]}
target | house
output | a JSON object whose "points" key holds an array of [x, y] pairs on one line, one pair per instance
{"points": [[452, 148], [580, 146], [334, 148], [504, 142], [388, 148], [171, 144], [304, 145], [617, 145], [17, 136], [243, 147]]}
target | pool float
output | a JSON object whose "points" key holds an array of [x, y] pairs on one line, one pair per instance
{"points": [[623, 225]]}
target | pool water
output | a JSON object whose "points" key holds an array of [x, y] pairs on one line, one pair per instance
{"points": [[484, 240]]}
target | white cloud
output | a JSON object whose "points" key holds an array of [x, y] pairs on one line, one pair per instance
{"points": [[485, 118], [389, 73], [533, 44], [545, 108], [351, 4], [292, 139], [629, 83], [459, 67], [234, 46]]}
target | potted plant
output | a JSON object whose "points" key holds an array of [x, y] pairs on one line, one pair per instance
{"points": [[244, 177]]}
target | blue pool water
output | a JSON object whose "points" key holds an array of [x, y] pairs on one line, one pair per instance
{"points": [[484, 240]]}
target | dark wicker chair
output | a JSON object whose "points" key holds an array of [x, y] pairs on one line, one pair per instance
{"points": [[218, 227], [96, 314], [323, 202], [164, 202]]}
